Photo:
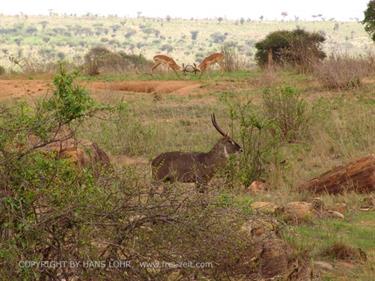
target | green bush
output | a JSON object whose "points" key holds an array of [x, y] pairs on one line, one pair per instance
{"points": [[52, 211], [288, 112], [297, 48], [100, 59], [252, 130], [263, 130], [369, 20]]}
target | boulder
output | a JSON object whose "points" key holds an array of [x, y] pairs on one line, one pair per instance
{"points": [[335, 214], [323, 266], [358, 176], [257, 187], [65, 145], [264, 207], [340, 207], [298, 211], [368, 203]]}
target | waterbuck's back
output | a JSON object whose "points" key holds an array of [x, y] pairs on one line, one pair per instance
{"points": [[181, 166]]}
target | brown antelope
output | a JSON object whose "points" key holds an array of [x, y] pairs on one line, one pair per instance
{"points": [[196, 167], [210, 60], [167, 61]]}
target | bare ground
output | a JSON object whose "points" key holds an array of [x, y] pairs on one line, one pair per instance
{"points": [[23, 88]]}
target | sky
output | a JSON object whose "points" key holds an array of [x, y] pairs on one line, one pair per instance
{"points": [[231, 9]]}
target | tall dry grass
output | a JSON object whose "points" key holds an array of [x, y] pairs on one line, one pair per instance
{"points": [[343, 72], [233, 61]]}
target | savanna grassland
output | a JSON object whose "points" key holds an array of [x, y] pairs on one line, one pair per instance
{"points": [[292, 127], [49, 39]]}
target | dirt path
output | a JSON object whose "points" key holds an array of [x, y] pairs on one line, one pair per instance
{"points": [[159, 87], [22, 88]]}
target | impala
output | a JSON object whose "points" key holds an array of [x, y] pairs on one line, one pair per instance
{"points": [[167, 61], [210, 60], [194, 167]]}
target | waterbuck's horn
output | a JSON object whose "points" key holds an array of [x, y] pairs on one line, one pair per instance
{"points": [[213, 119]]}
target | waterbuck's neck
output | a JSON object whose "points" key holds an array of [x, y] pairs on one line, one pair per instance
{"points": [[218, 155]]}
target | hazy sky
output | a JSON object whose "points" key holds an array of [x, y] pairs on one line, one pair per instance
{"points": [[271, 9]]}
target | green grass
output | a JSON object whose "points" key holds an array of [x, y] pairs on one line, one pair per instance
{"points": [[357, 230], [342, 129], [209, 76]]}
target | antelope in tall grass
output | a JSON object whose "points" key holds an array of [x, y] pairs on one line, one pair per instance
{"points": [[167, 61], [195, 167], [210, 60]]}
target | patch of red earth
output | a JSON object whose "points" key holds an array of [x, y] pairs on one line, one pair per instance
{"points": [[17, 88], [160, 87], [21, 88]]}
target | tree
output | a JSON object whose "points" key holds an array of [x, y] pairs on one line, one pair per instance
{"points": [[194, 34], [295, 47], [369, 20]]}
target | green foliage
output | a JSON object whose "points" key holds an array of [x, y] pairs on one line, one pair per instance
{"points": [[101, 59], [2, 70], [285, 108], [69, 100], [259, 146], [290, 47], [369, 20], [262, 131], [39, 192]]}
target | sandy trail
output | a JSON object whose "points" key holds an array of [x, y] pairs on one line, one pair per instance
{"points": [[159, 87], [28, 88]]}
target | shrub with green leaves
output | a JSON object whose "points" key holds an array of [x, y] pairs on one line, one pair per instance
{"points": [[252, 130], [52, 211], [369, 20], [69, 101], [288, 113], [297, 48]]}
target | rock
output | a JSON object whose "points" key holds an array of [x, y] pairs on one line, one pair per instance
{"points": [[358, 176], [298, 211], [336, 214], [257, 187], [368, 203], [322, 265], [264, 207], [65, 145], [340, 207], [344, 265]]}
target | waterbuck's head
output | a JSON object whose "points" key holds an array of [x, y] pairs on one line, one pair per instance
{"points": [[226, 145]]}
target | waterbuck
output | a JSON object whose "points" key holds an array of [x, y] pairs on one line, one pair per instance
{"points": [[194, 167]]}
